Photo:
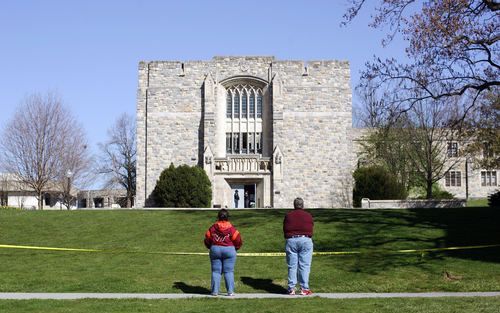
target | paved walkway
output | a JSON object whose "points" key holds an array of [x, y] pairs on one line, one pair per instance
{"points": [[73, 296]]}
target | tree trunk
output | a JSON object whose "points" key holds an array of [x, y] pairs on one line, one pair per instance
{"points": [[40, 201], [428, 194]]}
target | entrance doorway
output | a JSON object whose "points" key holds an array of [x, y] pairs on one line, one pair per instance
{"points": [[243, 196]]}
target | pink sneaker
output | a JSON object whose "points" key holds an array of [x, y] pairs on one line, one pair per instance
{"points": [[291, 292], [306, 292]]}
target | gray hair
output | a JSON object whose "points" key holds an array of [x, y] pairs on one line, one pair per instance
{"points": [[298, 203]]}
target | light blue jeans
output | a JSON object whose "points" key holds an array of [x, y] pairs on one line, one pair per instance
{"points": [[299, 258], [222, 260]]}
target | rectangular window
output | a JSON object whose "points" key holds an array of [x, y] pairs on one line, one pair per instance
{"points": [[487, 151], [259, 106], [258, 142], [245, 143], [229, 105], [251, 143], [229, 147], [453, 179], [452, 149], [236, 143], [252, 106], [236, 105], [244, 105], [488, 178]]}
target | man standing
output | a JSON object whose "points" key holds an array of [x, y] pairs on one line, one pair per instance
{"points": [[236, 198], [298, 230]]}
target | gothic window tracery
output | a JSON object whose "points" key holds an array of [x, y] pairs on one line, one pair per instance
{"points": [[244, 103]]}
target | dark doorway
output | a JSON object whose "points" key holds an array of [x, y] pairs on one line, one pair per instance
{"points": [[249, 196]]}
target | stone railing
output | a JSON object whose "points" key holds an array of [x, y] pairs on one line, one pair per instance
{"points": [[409, 204], [243, 164]]}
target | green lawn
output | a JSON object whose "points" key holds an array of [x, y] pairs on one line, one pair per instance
{"points": [[483, 202], [335, 230], [441, 305]]}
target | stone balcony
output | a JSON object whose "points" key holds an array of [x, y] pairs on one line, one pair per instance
{"points": [[249, 164]]}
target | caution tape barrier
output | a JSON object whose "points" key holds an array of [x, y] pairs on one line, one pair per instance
{"points": [[253, 254]]}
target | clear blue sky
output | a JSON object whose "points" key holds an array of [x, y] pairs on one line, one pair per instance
{"points": [[88, 50]]}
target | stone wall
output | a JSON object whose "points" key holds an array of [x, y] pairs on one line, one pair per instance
{"points": [[180, 114], [311, 122]]}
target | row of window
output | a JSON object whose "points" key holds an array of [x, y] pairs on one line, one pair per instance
{"points": [[454, 178], [244, 103], [452, 150], [488, 178], [250, 143]]}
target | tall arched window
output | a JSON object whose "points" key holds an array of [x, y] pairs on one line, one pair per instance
{"points": [[244, 112], [236, 104]]}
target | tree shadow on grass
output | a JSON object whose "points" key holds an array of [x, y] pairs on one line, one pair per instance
{"points": [[185, 288], [264, 284], [469, 226]]}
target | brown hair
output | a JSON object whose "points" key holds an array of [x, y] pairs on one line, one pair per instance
{"points": [[223, 215]]}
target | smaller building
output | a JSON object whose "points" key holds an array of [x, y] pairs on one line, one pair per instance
{"points": [[465, 179], [102, 198], [15, 193]]}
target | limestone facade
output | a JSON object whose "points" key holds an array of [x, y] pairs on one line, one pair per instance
{"points": [[465, 179], [268, 130]]}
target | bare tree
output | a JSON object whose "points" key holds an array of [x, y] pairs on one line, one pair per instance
{"points": [[36, 140], [4, 189], [483, 127], [118, 156], [76, 166], [453, 49], [430, 129]]}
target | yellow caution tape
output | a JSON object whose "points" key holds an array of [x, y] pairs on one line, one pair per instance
{"points": [[253, 254]]}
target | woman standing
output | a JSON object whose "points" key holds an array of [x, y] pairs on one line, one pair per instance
{"points": [[223, 239]]}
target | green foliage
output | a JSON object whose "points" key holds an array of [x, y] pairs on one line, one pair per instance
{"points": [[376, 183], [183, 187], [419, 192], [442, 194], [494, 200]]}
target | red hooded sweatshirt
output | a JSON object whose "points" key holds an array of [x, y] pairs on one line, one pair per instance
{"points": [[223, 233]]}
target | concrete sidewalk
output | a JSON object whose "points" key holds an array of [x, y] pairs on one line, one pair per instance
{"points": [[74, 296]]}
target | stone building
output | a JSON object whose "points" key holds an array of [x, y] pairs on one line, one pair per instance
{"points": [[465, 179], [267, 130]]}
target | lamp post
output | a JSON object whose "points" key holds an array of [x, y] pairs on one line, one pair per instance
{"points": [[69, 174]]}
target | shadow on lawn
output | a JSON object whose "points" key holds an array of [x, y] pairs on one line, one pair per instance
{"points": [[185, 288], [263, 284], [471, 226], [370, 231], [380, 230]]}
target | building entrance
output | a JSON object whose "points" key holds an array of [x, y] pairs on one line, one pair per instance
{"points": [[243, 196]]}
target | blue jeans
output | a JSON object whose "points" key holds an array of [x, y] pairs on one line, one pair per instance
{"points": [[222, 260], [299, 258]]}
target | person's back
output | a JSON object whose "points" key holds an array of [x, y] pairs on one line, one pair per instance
{"points": [[298, 222], [298, 231], [223, 239]]}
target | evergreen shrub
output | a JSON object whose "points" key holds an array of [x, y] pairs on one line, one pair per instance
{"points": [[376, 183], [494, 200], [183, 187]]}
